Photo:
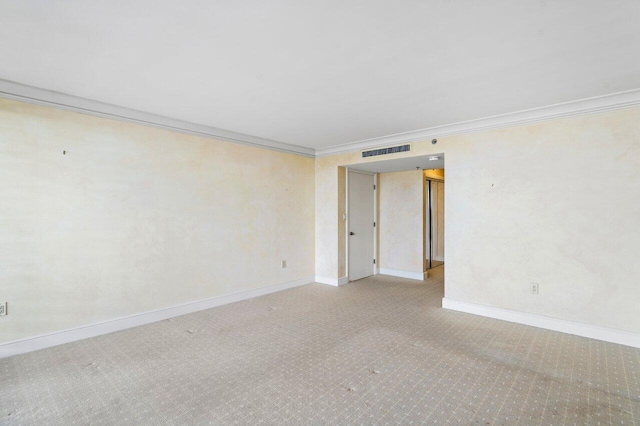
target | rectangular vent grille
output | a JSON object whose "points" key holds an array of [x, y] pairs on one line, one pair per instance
{"points": [[385, 151]]}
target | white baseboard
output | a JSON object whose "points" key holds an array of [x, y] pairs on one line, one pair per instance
{"points": [[332, 281], [585, 330], [78, 333], [403, 274]]}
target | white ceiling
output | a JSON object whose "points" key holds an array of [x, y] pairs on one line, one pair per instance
{"points": [[401, 164], [324, 73]]}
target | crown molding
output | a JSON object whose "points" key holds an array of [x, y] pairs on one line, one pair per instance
{"points": [[35, 95], [593, 105], [50, 98]]}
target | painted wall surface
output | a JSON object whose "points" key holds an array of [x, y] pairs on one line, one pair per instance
{"points": [[523, 206], [401, 221], [342, 222], [434, 173], [135, 218], [329, 189]]}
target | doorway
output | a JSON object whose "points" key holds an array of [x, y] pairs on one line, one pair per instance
{"points": [[361, 226], [434, 220], [399, 244]]}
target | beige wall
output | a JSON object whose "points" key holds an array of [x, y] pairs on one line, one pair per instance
{"points": [[342, 223], [134, 218], [522, 206], [401, 221], [329, 189]]}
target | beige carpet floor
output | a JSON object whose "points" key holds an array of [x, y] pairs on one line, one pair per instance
{"points": [[377, 351]]}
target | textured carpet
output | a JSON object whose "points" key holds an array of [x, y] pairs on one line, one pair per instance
{"points": [[377, 351]]}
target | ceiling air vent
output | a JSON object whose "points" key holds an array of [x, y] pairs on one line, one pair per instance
{"points": [[385, 151]]}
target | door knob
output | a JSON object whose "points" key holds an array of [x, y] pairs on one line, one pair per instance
{"points": [[352, 233]]}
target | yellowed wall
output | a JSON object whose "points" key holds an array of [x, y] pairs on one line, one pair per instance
{"points": [[434, 173], [520, 208], [342, 223], [401, 221], [134, 218]]}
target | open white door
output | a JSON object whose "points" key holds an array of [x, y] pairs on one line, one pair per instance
{"points": [[361, 227]]}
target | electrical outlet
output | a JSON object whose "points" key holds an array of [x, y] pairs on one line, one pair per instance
{"points": [[284, 263], [535, 288], [3, 309]]}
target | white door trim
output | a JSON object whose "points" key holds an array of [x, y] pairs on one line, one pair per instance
{"points": [[434, 217], [346, 224], [375, 227]]}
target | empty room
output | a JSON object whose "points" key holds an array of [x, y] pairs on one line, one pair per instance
{"points": [[217, 212]]}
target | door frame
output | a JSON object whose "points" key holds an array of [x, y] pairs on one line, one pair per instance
{"points": [[427, 218], [375, 220]]}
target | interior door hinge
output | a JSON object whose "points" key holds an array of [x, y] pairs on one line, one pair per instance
{"points": [[374, 261], [374, 187], [374, 224]]}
